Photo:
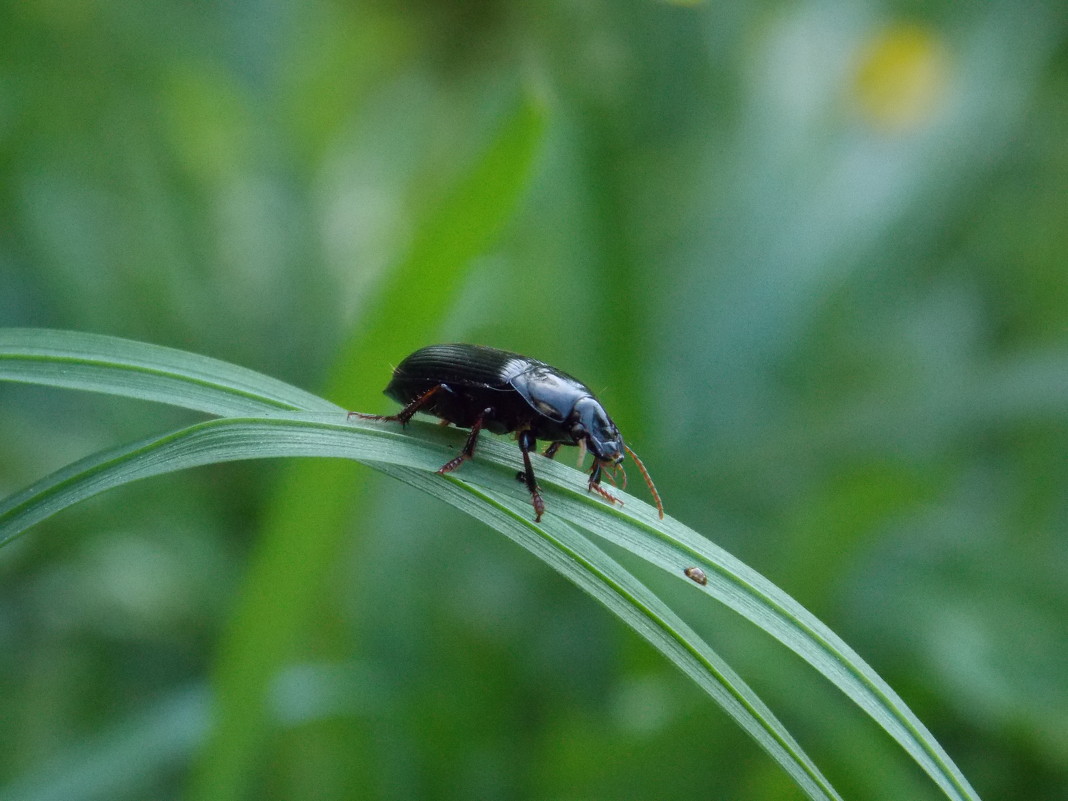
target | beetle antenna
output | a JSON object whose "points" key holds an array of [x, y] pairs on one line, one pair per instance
{"points": [[648, 480]]}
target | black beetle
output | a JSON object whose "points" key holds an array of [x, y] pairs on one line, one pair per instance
{"points": [[476, 387]]}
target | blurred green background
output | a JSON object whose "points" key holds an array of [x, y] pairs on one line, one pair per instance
{"points": [[810, 255]]}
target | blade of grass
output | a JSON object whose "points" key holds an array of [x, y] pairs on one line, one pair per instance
{"points": [[673, 546], [499, 504], [667, 544], [564, 548], [77, 360]]}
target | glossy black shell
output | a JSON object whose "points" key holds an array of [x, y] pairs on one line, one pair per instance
{"points": [[522, 394]]}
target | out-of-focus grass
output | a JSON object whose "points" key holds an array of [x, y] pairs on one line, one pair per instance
{"points": [[811, 258]]}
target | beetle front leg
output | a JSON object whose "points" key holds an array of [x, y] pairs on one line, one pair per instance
{"points": [[468, 450], [527, 443], [405, 414], [595, 484]]}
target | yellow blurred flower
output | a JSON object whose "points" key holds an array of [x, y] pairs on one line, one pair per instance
{"points": [[901, 76]]}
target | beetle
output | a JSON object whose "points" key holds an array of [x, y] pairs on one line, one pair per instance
{"points": [[482, 388]]}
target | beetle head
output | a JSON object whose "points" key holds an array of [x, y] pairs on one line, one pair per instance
{"points": [[592, 424]]}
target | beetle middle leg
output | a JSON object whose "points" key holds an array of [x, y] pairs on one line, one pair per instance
{"points": [[527, 443], [468, 450]]}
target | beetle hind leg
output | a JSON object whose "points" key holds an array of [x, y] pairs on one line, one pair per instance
{"points": [[405, 414], [468, 450]]}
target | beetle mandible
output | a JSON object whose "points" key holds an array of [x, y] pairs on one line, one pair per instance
{"points": [[477, 387]]}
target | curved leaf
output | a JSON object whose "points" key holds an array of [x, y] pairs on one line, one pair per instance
{"points": [[77, 360], [422, 448], [414, 461]]}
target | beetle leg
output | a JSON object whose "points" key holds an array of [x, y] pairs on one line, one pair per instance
{"points": [[405, 414], [550, 452], [612, 472], [468, 450], [527, 443], [595, 484]]}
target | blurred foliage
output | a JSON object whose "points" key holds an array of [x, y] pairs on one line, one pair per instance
{"points": [[810, 255]]}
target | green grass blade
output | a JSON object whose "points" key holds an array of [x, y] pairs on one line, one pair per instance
{"points": [[564, 548], [77, 360], [667, 543], [672, 546], [409, 459]]}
